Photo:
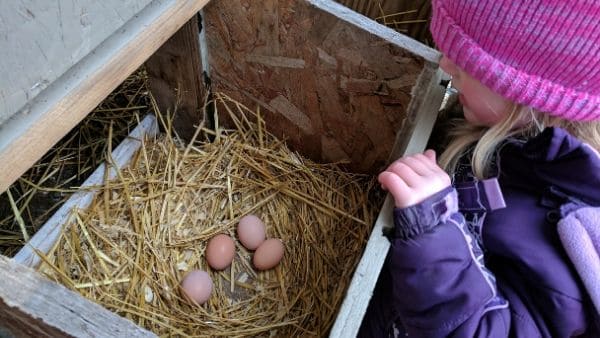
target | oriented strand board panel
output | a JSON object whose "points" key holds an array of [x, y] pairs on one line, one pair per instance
{"points": [[335, 84], [40, 40]]}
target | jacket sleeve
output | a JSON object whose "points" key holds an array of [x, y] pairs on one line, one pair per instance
{"points": [[440, 286]]}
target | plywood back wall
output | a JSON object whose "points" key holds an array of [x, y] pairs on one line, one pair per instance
{"points": [[334, 90]]}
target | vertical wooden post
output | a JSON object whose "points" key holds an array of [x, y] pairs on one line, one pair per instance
{"points": [[175, 79]]}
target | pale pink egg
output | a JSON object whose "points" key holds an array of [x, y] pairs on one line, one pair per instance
{"points": [[268, 254], [251, 231], [197, 285], [220, 252]]}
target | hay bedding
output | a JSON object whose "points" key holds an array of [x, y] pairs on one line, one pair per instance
{"points": [[145, 230], [38, 193]]}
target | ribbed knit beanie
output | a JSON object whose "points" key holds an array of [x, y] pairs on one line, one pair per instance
{"points": [[540, 53]]}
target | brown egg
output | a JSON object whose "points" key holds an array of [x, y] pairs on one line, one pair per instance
{"points": [[220, 252], [251, 231], [197, 285], [268, 254]]}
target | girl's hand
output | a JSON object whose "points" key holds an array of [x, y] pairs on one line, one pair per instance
{"points": [[412, 179]]}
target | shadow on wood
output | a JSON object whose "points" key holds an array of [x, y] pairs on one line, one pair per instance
{"points": [[175, 79]]}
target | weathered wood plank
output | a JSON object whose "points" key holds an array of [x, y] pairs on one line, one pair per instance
{"points": [[45, 238], [42, 39], [427, 100], [368, 24], [333, 83], [409, 16], [26, 136], [32, 306], [175, 79]]}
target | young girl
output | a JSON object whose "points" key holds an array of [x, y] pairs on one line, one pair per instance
{"points": [[476, 253]]}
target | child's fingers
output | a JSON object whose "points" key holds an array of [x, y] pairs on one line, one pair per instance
{"points": [[430, 154], [405, 172], [394, 184], [418, 164], [428, 160]]}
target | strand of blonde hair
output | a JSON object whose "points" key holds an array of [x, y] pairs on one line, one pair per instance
{"points": [[522, 122]]}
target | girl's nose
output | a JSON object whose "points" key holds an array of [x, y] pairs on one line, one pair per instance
{"points": [[448, 66]]}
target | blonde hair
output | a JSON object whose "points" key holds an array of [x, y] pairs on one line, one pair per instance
{"points": [[521, 122]]}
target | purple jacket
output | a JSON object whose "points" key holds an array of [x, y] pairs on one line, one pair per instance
{"points": [[462, 265]]}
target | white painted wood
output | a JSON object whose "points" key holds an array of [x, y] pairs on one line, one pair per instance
{"points": [[40, 40], [372, 26], [49, 233], [33, 306], [427, 99], [48, 116], [365, 277], [428, 96]]}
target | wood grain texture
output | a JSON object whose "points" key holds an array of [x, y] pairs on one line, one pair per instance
{"points": [[175, 79], [428, 96], [32, 306], [56, 110], [336, 85], [46, 237], [40, 40]]}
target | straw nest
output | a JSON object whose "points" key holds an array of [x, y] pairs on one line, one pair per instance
{"points": [[145, 230], [30, 201]]}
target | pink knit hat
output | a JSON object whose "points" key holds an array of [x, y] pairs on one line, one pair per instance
{"points": [[541, 53]]}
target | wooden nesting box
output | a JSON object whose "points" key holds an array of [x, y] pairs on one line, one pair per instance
{"points": [[333, 83]]}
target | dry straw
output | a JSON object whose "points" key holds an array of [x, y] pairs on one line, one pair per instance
{"points": [[408, 17], [145, 230], [30, 201]]}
